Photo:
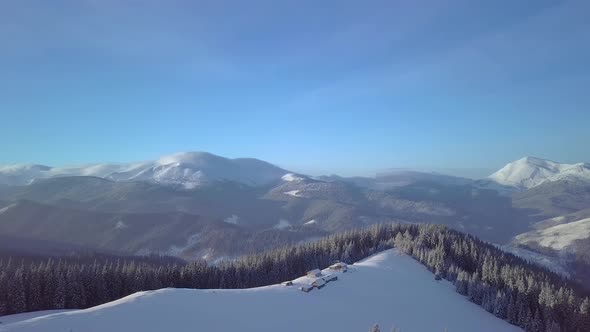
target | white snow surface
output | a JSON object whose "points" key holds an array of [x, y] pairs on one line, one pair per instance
{"points": [[388, 288], [290, 177], [121, 225], [6, 208], [282, 224], [233, 219], [186, 169], [10, 319], [311, 222], [294, 193], [530, 172], [558, 237]]}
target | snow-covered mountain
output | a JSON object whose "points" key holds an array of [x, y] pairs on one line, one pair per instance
{"points": [[388, 289], [186, 169], [530, 172]]}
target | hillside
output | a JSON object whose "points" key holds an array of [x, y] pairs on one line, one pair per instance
{"points": [[554, 198], [45, 227], [220, 200], [388, 288], [562, 242], [294, 200], [559, 238]]}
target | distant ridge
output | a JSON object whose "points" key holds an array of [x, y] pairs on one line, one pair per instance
{"points": [[184, 169]]}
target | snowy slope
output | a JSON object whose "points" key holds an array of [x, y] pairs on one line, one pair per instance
{"points": [[388, 288], [560, 237], [11, 319], [529, 172], [186, 169], [6, 208]]}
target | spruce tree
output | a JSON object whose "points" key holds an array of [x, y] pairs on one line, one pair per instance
{"points": [[375, 328], [59, 293], [3, 293], [16, 293]]}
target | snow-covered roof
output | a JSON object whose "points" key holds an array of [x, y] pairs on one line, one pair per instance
{"points": [[318, 282], [338, 266], [315, 272], [306, 288], [330, 277]]}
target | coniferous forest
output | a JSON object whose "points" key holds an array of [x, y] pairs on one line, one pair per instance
{"points": [[507, 286]]}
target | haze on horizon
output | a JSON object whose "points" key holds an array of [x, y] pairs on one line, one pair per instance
{"points": [[338, 87]]}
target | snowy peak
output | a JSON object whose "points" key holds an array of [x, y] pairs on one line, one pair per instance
{"points": [[530, 172], [193, 169], [185, 169], [189, 159]]}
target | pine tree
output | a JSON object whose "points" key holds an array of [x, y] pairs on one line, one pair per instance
{"points": [[537, 323], [512, 312], [552, 326], [3, 293], [59, 293], [500, 305], [584, 316], [34, 295], [375, 328], [16, 292], [585, 307]]}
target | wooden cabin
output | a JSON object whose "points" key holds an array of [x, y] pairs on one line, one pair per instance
{"points": [[306, 288], [330, 277], [318, 283]]}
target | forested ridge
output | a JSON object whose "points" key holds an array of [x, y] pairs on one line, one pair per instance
{"points": [[506, 286]]}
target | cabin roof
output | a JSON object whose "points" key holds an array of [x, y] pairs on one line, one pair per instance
{"points": [[339, 264], [319, 281]]}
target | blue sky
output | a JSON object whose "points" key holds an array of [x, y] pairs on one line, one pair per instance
{"points": [[348, 87]]}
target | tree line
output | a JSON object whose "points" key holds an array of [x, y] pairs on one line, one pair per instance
{"points": [[505, 285]]}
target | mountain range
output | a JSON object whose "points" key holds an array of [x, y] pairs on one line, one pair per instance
{"points": [[193, 169], [187, 170], [199, 205]]}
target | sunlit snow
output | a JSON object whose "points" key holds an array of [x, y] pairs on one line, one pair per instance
{"points": [[388, 288]]}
